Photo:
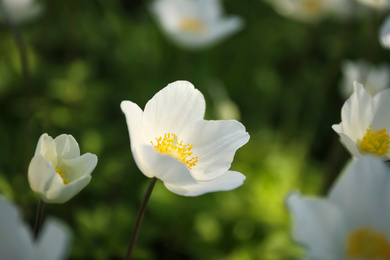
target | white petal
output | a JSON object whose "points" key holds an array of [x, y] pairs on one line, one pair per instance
{"points": [[46, 147], [346, 140], [53, 241], [173, 110], [362, 193], [165, 167], [76, 168], [228, 181], [41, 174], [67, 147], [224, 28], [357, 113], [381, 106], [15, 238], [319, 226], [134, 124], [61, 193], [215, 143], [385, 34]]}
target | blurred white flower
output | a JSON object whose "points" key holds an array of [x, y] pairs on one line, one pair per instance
{"points": [[377, 4], [365, 123], [16, 239], [353, 222], [311, 10], [21, 10], [374, 78], [384, 36], [194, 24], [170, 140], [57, 172]]}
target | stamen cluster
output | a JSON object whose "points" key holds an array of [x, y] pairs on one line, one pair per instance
{"points": [[376, 141]]}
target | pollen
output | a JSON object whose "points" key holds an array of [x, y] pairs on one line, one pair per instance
{"points": [[376, 141], [62, 175], [170, 145], [192, 25], [368, 244], [312, 6]]}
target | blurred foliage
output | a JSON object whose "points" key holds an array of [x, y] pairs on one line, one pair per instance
{"points": [[85, 57]]}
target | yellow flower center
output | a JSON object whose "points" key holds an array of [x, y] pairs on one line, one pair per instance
{"points": [[367, 244], [312, 6], [376, 141], [62, 175], [192, 25], [170, 145]]}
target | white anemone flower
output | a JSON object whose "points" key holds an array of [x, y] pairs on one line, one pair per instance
{"points": [[377, 4], [311, 10], [21, 10], [57, 172], [353, 222], [374, 78], [194, 24], [170, 140], [17, 242], [384, 36], [365, 123]]}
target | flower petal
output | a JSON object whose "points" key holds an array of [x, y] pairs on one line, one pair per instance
{"points": [[215, 144], [346, 141], [165, 167], [381, 106], [61, 193], [318, 225], [67, 147], [385, 34], [173, 110], [46, 147], [228, 181], [41, 174], [76, 168], [363, 194], [225, 27], [15, 238], [134, 122], [53, 242], [357, 113]]}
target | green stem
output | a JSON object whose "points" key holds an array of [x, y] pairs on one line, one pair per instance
{"points": [[140, 216], [38, 219]]}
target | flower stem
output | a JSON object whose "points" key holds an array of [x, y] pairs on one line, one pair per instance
{"points": [[38, 219], [140, 216]]}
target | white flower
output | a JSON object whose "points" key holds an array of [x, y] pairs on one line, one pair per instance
{"points": [[194, 24], [57, 172], [377, 4], [384, 37], [353, 222], [170, 140], [374, 78], [365, 123], [16, 240], [311, 10], [22, 10]]}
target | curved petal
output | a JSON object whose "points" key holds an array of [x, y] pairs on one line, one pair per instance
{"points": [[228, 181], [61, 193], [41, 174], [381, 106], [346, 141], [67, 147], [173, 110], [215, 144], [225, 27], [53, 242], [318, 225], [165, 167], [362, 193], [357, 113], [15, 238], [133, 116], [385, 34], [46, 147], [76, 168]]}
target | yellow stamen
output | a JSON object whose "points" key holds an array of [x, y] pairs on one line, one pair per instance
{"points": [[171, 146], [62, 175], [367, 244], [192, 25], [312, 6], [376, 141]]}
